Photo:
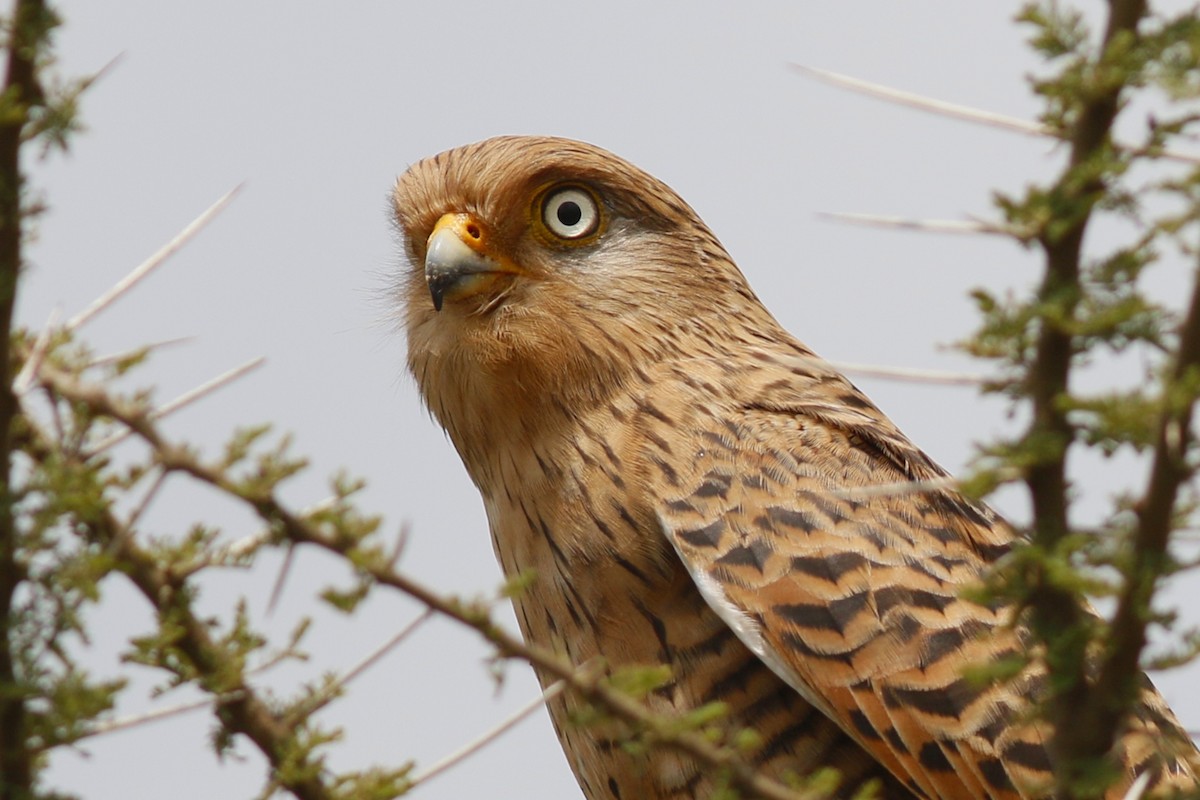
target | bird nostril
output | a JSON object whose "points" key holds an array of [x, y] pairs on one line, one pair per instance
{"points": [[473, 232]]}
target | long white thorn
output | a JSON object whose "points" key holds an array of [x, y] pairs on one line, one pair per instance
{"points": [[203, 389], [1138, 787], [912, 375], [33, 363], [340, 682], [953, 110], [153, 262], [289, 557], [379, 652], [135, 720], [923, 103], [101, 73], [187, 398], [136, 514], [113, 358], [483, 741], [922, 225]]}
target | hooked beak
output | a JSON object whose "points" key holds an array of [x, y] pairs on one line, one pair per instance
{"points": [[457, 261]]}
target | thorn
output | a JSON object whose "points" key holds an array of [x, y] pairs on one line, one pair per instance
{"points": [[289, 558], [37, 355], [153, 262], [147, 499], [923, 225], [277, 588], [954, 110], [552, 691], [185, 399], [401, 543], [135, 720], [147, 348], [340, 682], [101, 73], [912, 375], [1138, 787], [923, 103]]}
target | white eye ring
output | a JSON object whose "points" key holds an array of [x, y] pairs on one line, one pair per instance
{"points": [[570, 213]]}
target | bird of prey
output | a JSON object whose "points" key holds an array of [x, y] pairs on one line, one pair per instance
{"points": [[693, 487]]}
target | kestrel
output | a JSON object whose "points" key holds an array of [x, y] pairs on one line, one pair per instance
{"points": [[692, 487]]}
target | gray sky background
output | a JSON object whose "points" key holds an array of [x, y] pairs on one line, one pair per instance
{"points": [[317, 107]]}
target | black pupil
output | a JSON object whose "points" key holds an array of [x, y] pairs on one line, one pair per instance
{"points": [[569, 213]]}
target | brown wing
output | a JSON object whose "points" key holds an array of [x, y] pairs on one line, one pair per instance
{"points": [[798, 519]]}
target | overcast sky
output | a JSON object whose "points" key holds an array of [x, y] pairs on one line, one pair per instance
{"points": [[317, 107]]}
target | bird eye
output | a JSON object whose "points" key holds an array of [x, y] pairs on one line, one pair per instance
{"points": [[570, 213]]}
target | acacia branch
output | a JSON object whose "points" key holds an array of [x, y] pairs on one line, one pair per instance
{"points": [[27, 30], [587, 683], [1057, 616], [1119, 680], [238, 706]]}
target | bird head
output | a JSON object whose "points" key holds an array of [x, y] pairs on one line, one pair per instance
{"points": [[544, 268]]}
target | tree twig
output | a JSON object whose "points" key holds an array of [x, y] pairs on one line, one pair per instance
{"points": [[588, 684]]}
